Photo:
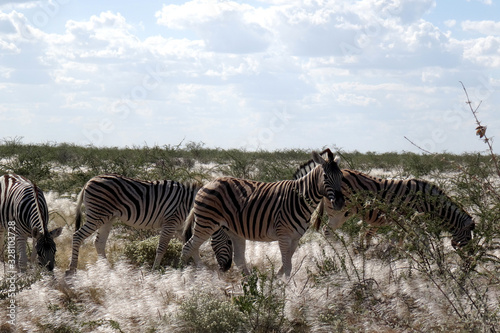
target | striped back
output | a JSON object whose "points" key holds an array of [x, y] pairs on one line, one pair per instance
{"points": [[22, 201], [250, 208], [141, 204]]}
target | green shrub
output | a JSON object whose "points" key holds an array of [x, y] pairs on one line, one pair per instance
{"points": [[263, 302], [207, 312], [143, 252]]}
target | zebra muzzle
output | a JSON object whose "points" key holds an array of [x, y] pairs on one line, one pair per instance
{"points": [[338, 200]]}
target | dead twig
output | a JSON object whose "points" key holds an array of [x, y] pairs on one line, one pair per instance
{"points": [[481, 130]]}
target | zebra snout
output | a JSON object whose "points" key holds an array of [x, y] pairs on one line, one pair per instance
{"points": [[49, 265], [460, 243], [338, 200]]}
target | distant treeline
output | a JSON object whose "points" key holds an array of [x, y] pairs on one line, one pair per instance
{"points": [[64, 167]]}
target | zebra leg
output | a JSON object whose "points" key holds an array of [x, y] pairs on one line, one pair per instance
{"points": [[192, 246], [287, 248], [239, 245], [21, 250], [368, 235], [102, 238], [165, 237], [2, 242], [191, 249], [78, 237], [33, 250], [337, 219]]}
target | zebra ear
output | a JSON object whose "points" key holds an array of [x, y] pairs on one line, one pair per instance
{"points": [[337, 159], [327, 154], [56, 232], [330, 154], [318, 159]]}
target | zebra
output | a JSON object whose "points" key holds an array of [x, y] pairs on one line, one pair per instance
{"points": [[238, 209], [141, 204], [23, 214], [390, 197]]}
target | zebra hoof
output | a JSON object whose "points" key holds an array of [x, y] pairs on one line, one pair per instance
{"points": [[70, 272]]}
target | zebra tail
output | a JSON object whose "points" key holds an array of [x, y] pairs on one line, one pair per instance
{"points": [[78, 214], [188, 226], [319, 214]]}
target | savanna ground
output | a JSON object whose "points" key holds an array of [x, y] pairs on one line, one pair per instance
{"points": [[336, 286]]}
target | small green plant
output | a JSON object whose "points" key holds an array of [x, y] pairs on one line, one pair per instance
{"points": [[263, 302], [22, 281], [207, 313], [143, 252]]}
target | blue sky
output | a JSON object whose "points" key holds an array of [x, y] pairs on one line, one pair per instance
{"points": [[357, 75]]}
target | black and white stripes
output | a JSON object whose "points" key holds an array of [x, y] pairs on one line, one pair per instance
{"points": [[277, 211], [370, 198], [141, 204], [24, 213]]}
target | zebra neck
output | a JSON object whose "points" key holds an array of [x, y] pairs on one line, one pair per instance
{"points": [[38, 209], [310, 187], [193, 189], [430, 199]]}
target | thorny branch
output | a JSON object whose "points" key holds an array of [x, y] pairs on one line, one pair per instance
{"points": [[481, 130]]}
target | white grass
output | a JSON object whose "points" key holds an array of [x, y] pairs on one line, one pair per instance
{"points": [[137, 299]]}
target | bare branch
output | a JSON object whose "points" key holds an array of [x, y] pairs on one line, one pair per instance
{"points": [[420, 148], [481, 130]]}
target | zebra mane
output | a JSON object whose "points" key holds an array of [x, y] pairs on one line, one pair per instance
{"points": [[304, 169], [308, 166]]}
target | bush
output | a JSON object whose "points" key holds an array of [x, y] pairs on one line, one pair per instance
{"points": [[263, 302], [207, 312], [143, 252]]}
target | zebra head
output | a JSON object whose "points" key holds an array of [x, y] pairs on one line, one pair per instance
{"points": [[46, 247], [223, 248], [462, 236], [332, 178]]}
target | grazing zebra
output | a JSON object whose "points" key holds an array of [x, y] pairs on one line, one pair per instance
{"points": [[24, 214], [376, 199], [140, 204], [258, 211]]}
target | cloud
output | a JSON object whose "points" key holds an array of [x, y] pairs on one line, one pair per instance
{"points": [[10, 27], [6, 26], [344, 71], [486, 2], [450, 23], [18, 3], [409, 11], [103, 36], [224, 26], [483, 51], [484, 27], [384, 33]]}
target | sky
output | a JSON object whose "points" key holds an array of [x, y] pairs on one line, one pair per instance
{"points": [[253, 75]]}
